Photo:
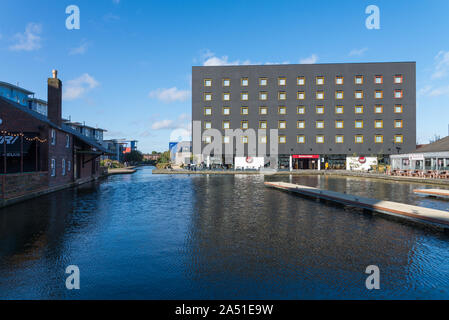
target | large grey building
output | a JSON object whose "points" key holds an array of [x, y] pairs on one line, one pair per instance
{"points": [[321, 111]]}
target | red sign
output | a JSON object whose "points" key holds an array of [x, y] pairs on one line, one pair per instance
{"points": [[249, 160], [305, 156], [362, 160]]}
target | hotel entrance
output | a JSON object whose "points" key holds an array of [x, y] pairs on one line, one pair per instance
{"points": [[305, 161]]}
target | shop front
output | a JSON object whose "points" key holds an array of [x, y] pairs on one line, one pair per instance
{"points": [[306, 162]]}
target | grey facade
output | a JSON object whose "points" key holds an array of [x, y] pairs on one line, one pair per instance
{"points": [[273, 73]]}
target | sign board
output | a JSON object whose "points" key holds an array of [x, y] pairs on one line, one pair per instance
{"points": [[249, 162], [360, 163], [414, 157], [13, 146], [305, 156]]}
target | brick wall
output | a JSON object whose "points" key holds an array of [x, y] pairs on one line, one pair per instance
{"points": [[60, 152], [20, 184]]}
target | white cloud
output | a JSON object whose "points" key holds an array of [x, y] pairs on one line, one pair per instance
{"points": [[210, 59], [76, 88], [183, 122], [431, 91], [170, 95], [441, 65], [82, 49], [309, 60], [164, 124], [358, 52], [29, 40]]}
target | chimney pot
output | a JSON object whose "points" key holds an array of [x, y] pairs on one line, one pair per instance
{"points": [[55, 73]]}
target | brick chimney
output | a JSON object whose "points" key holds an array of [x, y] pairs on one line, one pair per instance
{"points": [[54, 97]]}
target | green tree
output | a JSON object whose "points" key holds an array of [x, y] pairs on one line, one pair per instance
{"points": [[164, 158], [134, 156]]}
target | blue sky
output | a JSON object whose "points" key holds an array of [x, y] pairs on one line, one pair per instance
{"points": [[128, 68]]}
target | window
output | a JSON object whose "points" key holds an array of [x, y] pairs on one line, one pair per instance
{"points": [[63, 167], [358, 139], [263, 81], [300, 110], [263, 95], [226, 96], [398, 78], [282, 81], [378, 124], [320, 95], [69, 166], [358, 79], [282, 139], [226, 111], [320, 80], [244, 110], [338, 95], [378, 109], [226, 82], [244, 96], [300, 81], [339, 124], [339, 80], [378, 138], [319, 124], [53, 137], [398, 123], [207, 125], [378, 79], [358, 109], [358, 94], [282, 95], [378, 94], [319, 139], [282, 110], [301, 139], [319, 109], [244, 124], [301, 124], [301, 95], [207, 111], [244, 139], [226, 125], [282, 124], [208, 82], [263, 110], [207, 139], [398, 108], [398, 94], [244, 82], [263, 139], [67, 141], [398, 138], [262, 124], [358, 124], [339, 139], [339, 109], [53, 167], [207, 96], [226, 139]]}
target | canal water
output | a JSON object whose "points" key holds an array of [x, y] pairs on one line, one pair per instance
{"points": [[147, 236]]}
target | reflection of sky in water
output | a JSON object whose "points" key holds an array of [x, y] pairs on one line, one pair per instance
{"points": [[155, 237]]}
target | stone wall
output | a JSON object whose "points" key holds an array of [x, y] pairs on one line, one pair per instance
{"points": [[22, 184]]}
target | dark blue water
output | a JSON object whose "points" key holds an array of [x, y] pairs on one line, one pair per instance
{"points": [[147, 236]]}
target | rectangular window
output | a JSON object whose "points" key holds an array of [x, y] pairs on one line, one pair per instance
{"points": [[319, 109], [358, 94], [282, 139], [282, 124], [208, 82], [69, 166], [263, 96], [319, 95], [398, 138], [244, 82], [301, 124], [226, 139], [378, 79], [378, 109], [207, 111], [67, 141], [398, 94], [282, 110], [300, 110], [319, 139], [244, 110], [300, 81], [263, 81], [358, 109], [398, 124], [339, 80], [263, 110], [63, 167], [282, 81], [244, 139], [244, 124], [358, 79], [207, 125], [244, 96], [319, 124], [398, 108], [226, 96], [282, 95], [53, 167], [226, 111], [226, 82], [301, 139], [263, 139], [378, 138], [339, 124], [320, 80], [53, 137], [398, 78], [358, 139], [262, 124], [338, 95], [339, 139], [358, 124], [339, 109], [226, 125], [378, 94], [207, 96], [301, 95], [378, 124]]}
